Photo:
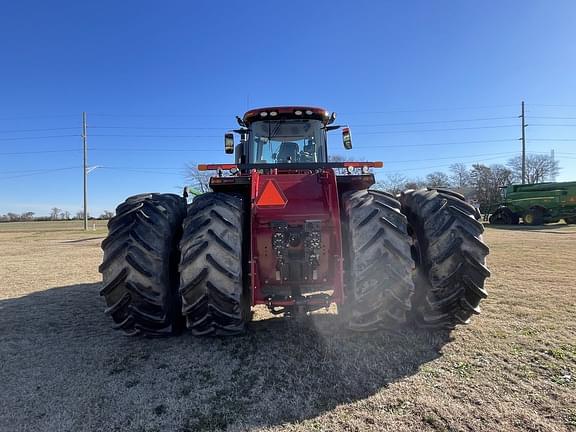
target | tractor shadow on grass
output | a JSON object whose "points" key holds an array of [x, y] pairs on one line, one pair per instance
{"points": [[58, 349]]}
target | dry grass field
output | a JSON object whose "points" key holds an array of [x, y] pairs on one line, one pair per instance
{"points": [[62, 367]]}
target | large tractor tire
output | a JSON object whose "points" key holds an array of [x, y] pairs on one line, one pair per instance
{"points": [[140, 266], [450, 257], [378, 262], [213, 274]]}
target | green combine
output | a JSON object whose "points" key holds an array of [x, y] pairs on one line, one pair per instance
{"points": [[536, 204]]}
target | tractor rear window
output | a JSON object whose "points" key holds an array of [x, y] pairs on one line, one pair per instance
{"points": [[287, 141]]}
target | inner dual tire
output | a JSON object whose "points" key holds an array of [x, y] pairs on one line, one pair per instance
{"points": [[213, 273], [378, 263]]}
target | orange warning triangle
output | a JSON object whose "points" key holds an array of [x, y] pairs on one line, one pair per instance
{"points": [[271, 196]]}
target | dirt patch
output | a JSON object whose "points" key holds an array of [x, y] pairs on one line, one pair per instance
{"points": [[63, 368]]}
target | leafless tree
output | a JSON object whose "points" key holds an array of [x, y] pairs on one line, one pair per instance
{"points": [[106, 215], [27, 216], [539, 168], [55, 213], [437, 179], [392, 182], [415, 183], [487, 181], [460, 175]]}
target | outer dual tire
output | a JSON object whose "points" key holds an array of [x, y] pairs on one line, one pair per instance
{"points": [[139, 269], [450, 255]]}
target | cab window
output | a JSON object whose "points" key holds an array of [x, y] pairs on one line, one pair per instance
{"points": [[287, 141]]}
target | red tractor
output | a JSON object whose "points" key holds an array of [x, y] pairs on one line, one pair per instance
{"points": [[283, 229]]}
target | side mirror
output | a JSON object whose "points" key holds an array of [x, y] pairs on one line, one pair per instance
{"points": [[346, 138], [229, 143]]}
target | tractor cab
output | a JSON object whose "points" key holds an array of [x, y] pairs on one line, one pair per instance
{"points": [[270, 137]]}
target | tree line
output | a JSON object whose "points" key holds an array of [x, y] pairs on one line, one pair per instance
{"points": [[55, 214], [479, 181]]}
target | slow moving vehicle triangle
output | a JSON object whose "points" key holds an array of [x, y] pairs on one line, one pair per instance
{"points": [[271, 196]]}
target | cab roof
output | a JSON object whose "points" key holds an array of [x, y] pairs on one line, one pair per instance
{"points": [[286, 112]]}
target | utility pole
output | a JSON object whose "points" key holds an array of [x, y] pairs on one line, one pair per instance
{"points": [[85, 169], [523, 117]]}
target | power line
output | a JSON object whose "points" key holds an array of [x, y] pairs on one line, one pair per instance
{"points": [[455, 158], [137, 170], [157, 128], [156, 136], [40, 152], [162, 115], [152, 150], [192, 150], [434, 121], [552, 139], [44, 171], [37, 137], [552, 124], [553, 118], [433, 130], [38, 117], [37, 130], [356, 125], [428, 110], [227, 115], [440, 143], [552, 105], [141, 168], [21, 171]]}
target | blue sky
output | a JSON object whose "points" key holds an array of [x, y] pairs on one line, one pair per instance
{"points": [[421, 83]]}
